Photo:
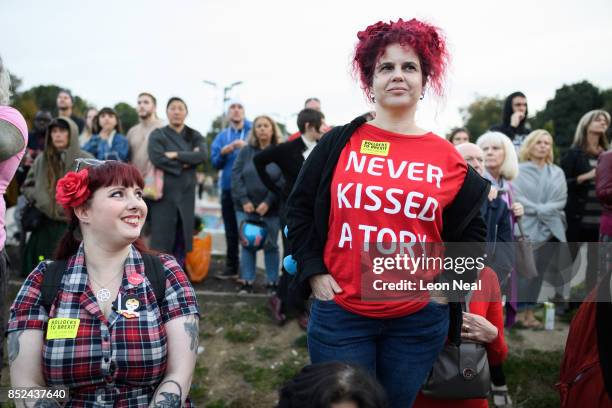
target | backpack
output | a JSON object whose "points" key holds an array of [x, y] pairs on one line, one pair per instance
{"points": [[154, 270]]}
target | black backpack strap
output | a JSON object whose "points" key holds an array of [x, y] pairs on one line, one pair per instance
{"points": [[52, 280], [156, 275]]}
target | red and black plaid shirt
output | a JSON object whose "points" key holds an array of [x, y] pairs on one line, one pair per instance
{"points": [[112, 362]]}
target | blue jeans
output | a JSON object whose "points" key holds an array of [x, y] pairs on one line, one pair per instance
{"points": [[399, 352], [271, 253]]}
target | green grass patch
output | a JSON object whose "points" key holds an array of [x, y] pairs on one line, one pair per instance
{"points": [[301, 342], [266, 353], [216, 404], [242, 333], [265, 379], [223, 315], [515, 335], [531, 377]]}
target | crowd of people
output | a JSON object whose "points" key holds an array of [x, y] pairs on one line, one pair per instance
{"points": [[113, 217]]}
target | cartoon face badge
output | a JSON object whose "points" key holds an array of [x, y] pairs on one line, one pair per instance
{"points": [[128, 306]]}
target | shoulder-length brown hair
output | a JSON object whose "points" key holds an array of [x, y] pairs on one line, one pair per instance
{"points": [[277, 135]]}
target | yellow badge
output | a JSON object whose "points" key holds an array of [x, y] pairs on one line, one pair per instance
{"points": [[62, 328], [376, 148]]}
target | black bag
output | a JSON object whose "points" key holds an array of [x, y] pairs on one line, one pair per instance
{"points": [[31, 217], [460, 372]]}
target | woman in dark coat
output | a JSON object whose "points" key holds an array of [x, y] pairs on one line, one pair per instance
{"points": [[176, 149], [583, 209]]}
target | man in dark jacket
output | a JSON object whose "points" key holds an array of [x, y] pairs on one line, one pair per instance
{"points": [[64, 104], [514, 119]]}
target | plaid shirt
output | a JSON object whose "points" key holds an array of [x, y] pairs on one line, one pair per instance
{"points": [[111, 362]]}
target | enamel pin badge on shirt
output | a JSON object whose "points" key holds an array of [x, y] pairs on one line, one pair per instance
{"points": [[135, 279], [127, 306]]}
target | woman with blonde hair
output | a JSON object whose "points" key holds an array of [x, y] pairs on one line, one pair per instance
{"points": [[542, 190], [583, 209], [253, 201]]}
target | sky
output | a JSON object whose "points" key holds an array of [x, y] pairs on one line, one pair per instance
{"points": [[286, 51]]}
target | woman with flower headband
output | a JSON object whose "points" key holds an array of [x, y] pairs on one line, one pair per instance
{"points": [[61, 149], [384, 181], [106, 336]]}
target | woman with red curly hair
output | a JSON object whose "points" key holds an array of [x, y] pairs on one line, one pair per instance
{"points": [[386, 181], [105, 331]]}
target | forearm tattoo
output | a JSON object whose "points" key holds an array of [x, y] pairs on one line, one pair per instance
{"points": [[169, 399], [13, 345], [191, 327]]}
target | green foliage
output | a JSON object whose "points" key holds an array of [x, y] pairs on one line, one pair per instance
{"points": [[481, 114], [564, 111], [127, 114], [41, 97]]}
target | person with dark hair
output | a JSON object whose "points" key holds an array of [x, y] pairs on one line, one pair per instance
{"points": [[514, 119], [13, 141], [64, 103], [331, 385], [61, 149], [36, 144], [458, 136], [254, 201], [108, 142], [223, 153], [105, 332], [359, 186], [314, 104], [583, 209], [289, 157], [138, 135], [176, 149]]}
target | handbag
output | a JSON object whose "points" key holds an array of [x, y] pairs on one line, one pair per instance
{"points": [[153, 184], [525, 261], [31, 217], [460, 372]]}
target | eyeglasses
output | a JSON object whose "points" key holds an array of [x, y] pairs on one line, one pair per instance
{"points": [[82, 163]]}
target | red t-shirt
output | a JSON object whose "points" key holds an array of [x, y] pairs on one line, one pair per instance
{"points": [[387, 187]]}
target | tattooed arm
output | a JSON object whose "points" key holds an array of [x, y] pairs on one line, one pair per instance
{"points": [[182, 352], [25, 359]]}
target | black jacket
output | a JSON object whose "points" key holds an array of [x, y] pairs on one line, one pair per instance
{"points": [[310, 201], [574, 163], [288, 157], [500, 254]]}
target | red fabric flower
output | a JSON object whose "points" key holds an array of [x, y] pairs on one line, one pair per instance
{"points": [[72, 189]]}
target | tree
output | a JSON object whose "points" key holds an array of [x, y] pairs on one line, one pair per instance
{"points": [[127, 115], [566, 108], [480, 115]]}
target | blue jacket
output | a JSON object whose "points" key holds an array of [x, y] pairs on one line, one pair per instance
{"points": [[225, 162], [119, 150]]}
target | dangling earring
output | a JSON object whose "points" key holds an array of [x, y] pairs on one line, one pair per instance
{"points": [[422, 96], [372, 98]]}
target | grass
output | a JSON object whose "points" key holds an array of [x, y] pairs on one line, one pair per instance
{"points": [[531, 375], [242, 333], [268, 378]]}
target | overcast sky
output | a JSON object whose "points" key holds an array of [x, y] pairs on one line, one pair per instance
{"points": [[285, 51]]}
